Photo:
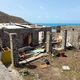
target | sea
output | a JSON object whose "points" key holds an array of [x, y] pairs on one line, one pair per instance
{"points": [[54, 25], [58, 24]]}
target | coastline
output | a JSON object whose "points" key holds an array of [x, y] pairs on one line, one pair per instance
{"points": [[58, 24]]}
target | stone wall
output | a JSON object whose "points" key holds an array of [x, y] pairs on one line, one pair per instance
{"points": [[73, 34], [21, 33]]}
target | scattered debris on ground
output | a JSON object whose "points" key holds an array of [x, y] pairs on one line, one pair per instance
{"points": [[54, 71], [65, 68]]}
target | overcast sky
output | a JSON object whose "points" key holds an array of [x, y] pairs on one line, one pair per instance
{"points": [[43, 11]]}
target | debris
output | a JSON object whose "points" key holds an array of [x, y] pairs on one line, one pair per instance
{"points": [[47, 62], [26, 48], [59, 53], [69, 46], [42, 66], [31, 66], [39, 50], [63, 54], [65, 68], [33, 58], [23, 56], [55, 53], [25, 72], [59, 49]]}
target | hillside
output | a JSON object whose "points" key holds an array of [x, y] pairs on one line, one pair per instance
{"points": [[5, 18]]}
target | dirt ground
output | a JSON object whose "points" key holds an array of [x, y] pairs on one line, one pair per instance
{"points": [[54, 71]]}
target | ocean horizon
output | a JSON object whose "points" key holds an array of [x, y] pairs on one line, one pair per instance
{"points": [[58, 24]]}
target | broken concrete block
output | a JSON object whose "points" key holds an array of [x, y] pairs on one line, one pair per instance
{"points": [[65, 68]]}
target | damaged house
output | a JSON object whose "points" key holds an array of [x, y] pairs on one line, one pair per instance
{"points": [[66, 36], [16, 36], [72, 36]]}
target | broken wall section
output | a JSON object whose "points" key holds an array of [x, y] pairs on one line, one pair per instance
{"points": [[73, 34]]}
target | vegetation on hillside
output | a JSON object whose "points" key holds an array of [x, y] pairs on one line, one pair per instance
{"points": [[5, 18]]}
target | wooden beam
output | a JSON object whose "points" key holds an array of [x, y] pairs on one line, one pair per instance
{"points": [[33, 58], [65, 38]]}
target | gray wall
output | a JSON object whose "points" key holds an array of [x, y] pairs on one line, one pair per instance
{"points": [[21, 33], [73, 34]]}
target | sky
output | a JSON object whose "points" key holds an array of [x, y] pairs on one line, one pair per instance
{"points": [[43, 11]]}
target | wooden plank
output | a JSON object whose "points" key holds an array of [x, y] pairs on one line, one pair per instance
{"points": [[33, 58]]}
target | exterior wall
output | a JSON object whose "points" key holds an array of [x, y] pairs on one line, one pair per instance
{"points": [[21, 33], [73, 34]]}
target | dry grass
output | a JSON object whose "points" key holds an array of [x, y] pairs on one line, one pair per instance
{"points": [[54, 71]]}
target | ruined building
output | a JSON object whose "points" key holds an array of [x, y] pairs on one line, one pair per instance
{"points": [[72, 36], [16, 36]]}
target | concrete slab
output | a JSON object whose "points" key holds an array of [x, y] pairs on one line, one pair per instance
{"points": [[5, 74]]}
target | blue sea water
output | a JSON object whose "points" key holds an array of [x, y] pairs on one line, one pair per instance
{"points": [[58, 24]]}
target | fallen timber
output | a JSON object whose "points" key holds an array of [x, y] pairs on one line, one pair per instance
{"points": [[33, 58]]}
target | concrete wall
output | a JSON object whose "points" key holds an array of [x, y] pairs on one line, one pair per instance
{"points": [[21, 33], [73, 34]]}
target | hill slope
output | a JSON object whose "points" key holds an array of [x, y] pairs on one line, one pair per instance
{"points": [[5, 18]]}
